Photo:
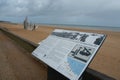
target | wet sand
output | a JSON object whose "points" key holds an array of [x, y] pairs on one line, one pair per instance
{"points": [[107, 60]]}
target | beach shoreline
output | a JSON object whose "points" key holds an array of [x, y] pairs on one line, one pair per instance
{"points": [[105, 28]]}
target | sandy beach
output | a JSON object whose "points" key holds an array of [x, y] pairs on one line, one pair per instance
{"points": [[107, 60]]}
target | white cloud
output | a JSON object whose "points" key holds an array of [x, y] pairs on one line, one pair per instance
{"points": [[64, 11]]}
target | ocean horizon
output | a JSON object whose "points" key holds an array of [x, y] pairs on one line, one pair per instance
{"points": [[91, 27]]}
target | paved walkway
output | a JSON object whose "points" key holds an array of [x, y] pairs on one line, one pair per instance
{"points": [[15, 64]]}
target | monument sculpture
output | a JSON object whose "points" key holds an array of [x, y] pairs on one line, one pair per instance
{"points": [[28, 26]]}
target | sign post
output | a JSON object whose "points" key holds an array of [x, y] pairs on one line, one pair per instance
{"points": [[54, 75]]}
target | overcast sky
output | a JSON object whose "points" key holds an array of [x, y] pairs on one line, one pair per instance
{"points": [[84, 12]]}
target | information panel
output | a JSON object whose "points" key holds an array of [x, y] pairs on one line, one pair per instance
{"points": [[69, 52]]}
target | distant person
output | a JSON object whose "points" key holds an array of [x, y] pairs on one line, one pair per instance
{"points": [[34, 26]]}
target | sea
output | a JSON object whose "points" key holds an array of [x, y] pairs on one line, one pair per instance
{"points": [[90, 27]]}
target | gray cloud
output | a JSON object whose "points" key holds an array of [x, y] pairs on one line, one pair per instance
{"points": [[22, 7], [102, 12]]}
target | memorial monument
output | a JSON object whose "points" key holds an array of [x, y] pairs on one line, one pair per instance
{"points": [[28, 26]]}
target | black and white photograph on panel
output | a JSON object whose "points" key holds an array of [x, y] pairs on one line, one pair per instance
{"points": [[71, 35], [89, 38], [99, 40], [82, 53]]}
